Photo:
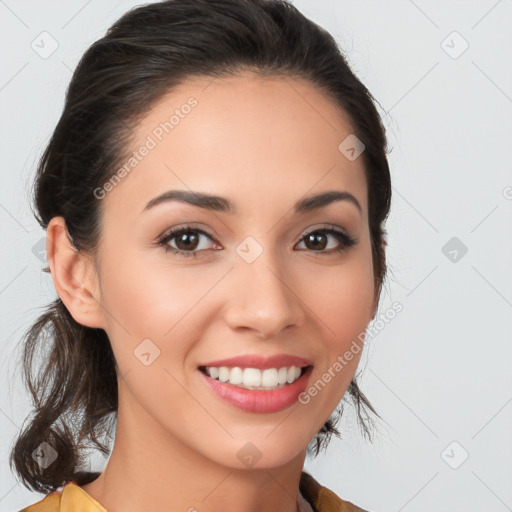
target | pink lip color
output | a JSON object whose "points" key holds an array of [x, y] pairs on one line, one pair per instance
{"points": [[257, 361], [261, 401]]}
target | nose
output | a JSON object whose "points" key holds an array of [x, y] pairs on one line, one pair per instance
{"points": [[263, 297]]}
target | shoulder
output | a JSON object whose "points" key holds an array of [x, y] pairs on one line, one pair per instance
{"points": [[323, 499], [69, 496], [72, 498], [50, 503]]}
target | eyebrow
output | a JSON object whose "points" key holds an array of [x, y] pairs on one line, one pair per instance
{"points": [[221, 204]]}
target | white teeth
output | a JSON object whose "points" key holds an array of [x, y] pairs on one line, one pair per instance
{"points": [[236, 375], [251, 378], [281, 375], [269, 378], [292, 374], [223, 374]]}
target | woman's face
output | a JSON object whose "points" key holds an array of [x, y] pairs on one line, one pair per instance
{"points": [[264, 278]]}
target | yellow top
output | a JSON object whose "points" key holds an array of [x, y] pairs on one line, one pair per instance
{"points": [[73, 498]]}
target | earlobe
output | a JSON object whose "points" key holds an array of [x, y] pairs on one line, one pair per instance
{"points": [[74, 276]]}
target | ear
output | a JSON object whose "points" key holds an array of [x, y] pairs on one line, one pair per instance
{"points": [[74, 276]]}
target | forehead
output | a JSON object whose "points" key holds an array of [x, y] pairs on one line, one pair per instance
{"points": [[261, 139]]}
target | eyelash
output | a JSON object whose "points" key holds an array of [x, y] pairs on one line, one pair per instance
{"points": [[346, 240]]}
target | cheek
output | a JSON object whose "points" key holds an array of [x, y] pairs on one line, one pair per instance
{"points": [[341, 304], [342, 300], [152, 301], [144, 297]]}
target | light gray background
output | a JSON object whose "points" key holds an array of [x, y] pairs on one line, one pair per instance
{"points": [[440, 371]]}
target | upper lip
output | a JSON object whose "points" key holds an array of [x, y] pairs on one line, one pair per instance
{"points": [[261, 362]]}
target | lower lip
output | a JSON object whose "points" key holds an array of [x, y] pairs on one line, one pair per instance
{"points": [[258, 400]]}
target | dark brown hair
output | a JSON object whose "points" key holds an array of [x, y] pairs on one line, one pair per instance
{"points": [[144, 55]]}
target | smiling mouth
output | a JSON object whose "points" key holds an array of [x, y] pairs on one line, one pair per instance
{"points": [[255, 378]]}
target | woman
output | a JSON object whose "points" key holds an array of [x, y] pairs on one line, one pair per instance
{"points": [[214, 196]]}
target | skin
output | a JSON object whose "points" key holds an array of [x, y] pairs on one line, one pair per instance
{"points": [[263, 143]]}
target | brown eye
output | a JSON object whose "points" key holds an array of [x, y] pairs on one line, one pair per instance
{"points": [[318, 240], [188, 241]]}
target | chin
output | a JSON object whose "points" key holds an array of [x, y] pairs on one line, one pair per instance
{"points": [[261, 451]]}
